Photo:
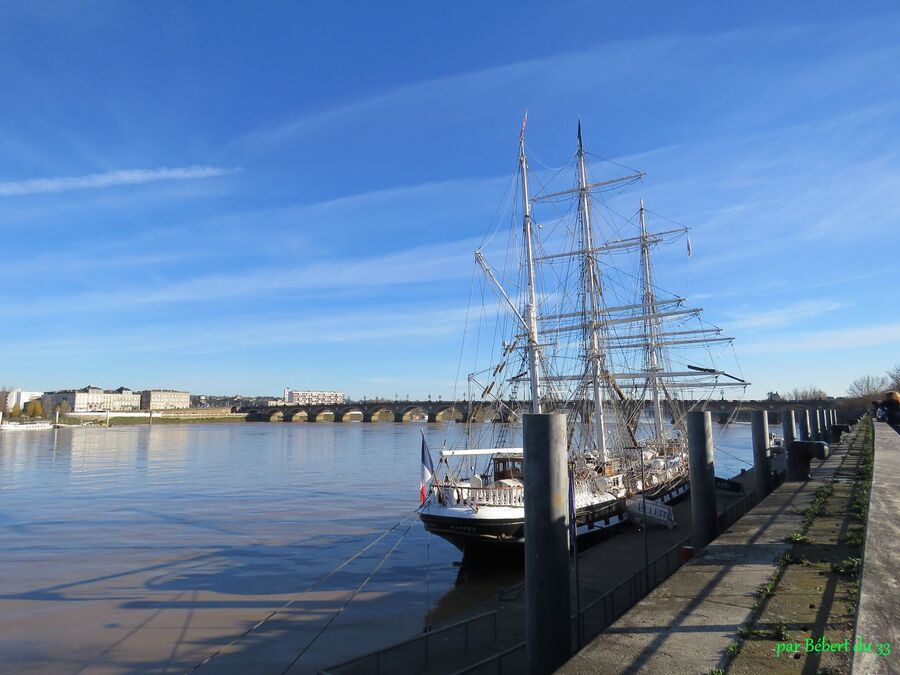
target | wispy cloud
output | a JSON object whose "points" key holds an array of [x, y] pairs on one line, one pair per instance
{"points": [[255, 332], [753, 318], [436, 94], [94, 181], [431, 264], [828, 340]]}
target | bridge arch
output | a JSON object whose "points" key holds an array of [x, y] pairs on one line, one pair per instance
{"points": [[485, 413], [296, 415], [350, 414], [274, 415], [447, 413], [412, 412], [380, 413], [321, 414]]}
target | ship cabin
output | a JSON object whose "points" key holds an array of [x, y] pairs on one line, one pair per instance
{"points": [[508, 466]]}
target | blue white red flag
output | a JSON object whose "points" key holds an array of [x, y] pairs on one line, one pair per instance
{"points": [[427, 470]]}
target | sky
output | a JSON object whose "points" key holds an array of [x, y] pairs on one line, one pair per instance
{"points": [[232, 198]]}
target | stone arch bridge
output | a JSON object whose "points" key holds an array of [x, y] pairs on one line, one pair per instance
{"points": [[392, 411], [464, 411]]}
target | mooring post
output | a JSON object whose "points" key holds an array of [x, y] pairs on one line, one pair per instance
{"points": [[703, 478], [804, 425], [547, 599], [788, 428], [762, 457], [820, 420]]}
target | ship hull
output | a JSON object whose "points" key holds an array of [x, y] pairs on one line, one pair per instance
{"points": [[470, 530], [479, 533]]}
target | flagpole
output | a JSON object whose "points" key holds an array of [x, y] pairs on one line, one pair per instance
{"points": [[427, 628]]}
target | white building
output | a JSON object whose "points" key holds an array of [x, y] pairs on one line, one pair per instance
{"points": [[16, 397], [92, 398], [298, 397], [165, 399]]}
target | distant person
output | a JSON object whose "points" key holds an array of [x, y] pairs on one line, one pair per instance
{"points": [[891, 407]]}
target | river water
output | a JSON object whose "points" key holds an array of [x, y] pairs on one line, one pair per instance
{"points": [[139, 549]]}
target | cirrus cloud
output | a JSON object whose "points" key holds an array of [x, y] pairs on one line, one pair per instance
{"points": [[90, 181]]}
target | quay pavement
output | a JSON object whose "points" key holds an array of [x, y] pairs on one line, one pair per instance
{"points": [[688, 623]]}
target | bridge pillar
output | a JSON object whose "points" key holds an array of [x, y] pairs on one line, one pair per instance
{"points": [[398, 417], [432, 417], [723, 417]]}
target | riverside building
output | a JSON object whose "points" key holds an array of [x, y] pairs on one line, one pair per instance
{"points": [[165, 399], [90, 398], [299, 397]]}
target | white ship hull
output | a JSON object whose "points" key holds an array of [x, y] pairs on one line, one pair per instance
{"points": [[26, 426]]}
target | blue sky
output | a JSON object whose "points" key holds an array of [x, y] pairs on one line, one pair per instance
{"points": [[225, 199]]}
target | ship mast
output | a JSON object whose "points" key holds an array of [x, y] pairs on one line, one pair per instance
{"points": [[531, 303], [592, 289], [649, 304]]}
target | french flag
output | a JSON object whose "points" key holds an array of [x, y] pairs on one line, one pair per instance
{"points": [[427, 470]]}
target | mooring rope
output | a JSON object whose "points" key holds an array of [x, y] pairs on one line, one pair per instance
{"points": [[348, 601], [317, 582], [718, 449]]}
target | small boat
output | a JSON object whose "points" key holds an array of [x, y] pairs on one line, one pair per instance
{"points": [[25, 426]]}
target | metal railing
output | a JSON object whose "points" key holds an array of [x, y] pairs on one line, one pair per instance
{"points": [[601, 613], [511, 660], [595, 617], [415, 655], [730, 515], [506, 496]]}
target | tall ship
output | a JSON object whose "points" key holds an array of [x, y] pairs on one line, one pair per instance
{"points": [[571, 318]]}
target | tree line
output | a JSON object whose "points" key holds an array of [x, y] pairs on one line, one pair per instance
{"points": [[872, 387], [35, 408]]}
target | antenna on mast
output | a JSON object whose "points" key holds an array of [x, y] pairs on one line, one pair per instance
{"points": [[531, 300]]}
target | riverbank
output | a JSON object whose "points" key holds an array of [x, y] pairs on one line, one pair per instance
{"points": [[197, 416]]}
